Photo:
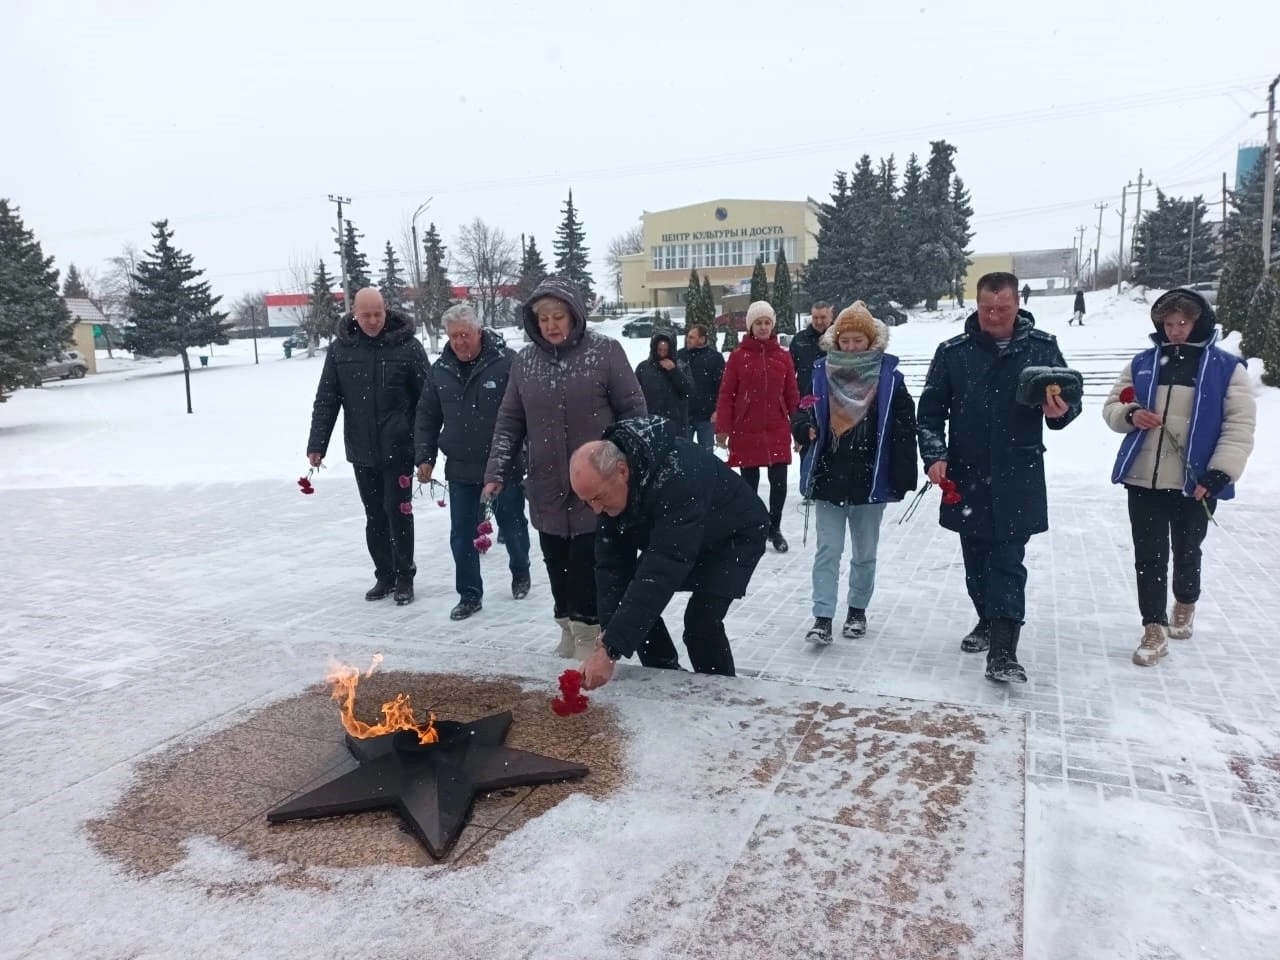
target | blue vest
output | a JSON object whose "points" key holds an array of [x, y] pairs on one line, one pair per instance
{"points": [[1212, 380], [881, 480]]}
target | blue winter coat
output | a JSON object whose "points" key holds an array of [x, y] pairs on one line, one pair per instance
{"points": [[968, 416]]}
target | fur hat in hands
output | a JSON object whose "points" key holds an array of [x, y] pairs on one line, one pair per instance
{"points": [[758, 309], [855, 318]]}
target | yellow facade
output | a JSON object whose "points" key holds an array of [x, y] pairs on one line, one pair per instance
{"points": [[721, 239], [82, 342], [983, 263]]}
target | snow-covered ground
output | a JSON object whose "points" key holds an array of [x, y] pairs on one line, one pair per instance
{"points": [[150, 548]]}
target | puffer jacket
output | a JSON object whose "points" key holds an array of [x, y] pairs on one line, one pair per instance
{"points": [[758, 395], [666, 392]]}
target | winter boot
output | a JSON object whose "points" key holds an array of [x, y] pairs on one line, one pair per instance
{"points": [[565, 647], [1154, 645], [820, 632], [464, 609], [855, 625], [585, 636], [520, 585], [1184, 616], [404, 590], [979, 638], [778, 540], [383, 588], [1002, 656]]}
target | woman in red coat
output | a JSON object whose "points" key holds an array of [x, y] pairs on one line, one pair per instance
{"points": [[753, 414]]}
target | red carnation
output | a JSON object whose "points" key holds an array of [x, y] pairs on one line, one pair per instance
{"points": [[485, 528], [808, 402], [482, 544], [571, 699], [441, 503], [1128, 394], [406, 508], [950, 495], [406, 482]]}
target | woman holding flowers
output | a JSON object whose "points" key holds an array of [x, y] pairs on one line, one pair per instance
{"points": [[1187, 409]]}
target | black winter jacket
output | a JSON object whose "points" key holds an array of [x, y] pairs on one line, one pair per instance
{"points": [[843, 473], [805, 350], [456, 416], [968, 416], [704, 366], [376, 383], [666, 392], [690, 524]]}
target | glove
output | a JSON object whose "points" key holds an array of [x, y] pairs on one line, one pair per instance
{"points": [[802, 421], [1215, 481]]}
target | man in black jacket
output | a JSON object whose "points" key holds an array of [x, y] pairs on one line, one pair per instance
{"points": [[673, 517], [663, 383], [456, 415], [804, 345], [374, 373], [974, 433], [704, 367]]}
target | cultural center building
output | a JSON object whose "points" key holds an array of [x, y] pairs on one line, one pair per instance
{"points": [[721, 239]]}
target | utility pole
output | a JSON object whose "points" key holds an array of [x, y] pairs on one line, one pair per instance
{"points": [[1080, 257], [1137, 216], [418, 318], [1191, 238], [1124, 196], [1223, 234], [342, 256], [1097, 245], [253, 319], [1269, 181]]}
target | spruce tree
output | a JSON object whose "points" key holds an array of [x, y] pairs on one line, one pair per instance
{"points": [[826, 274], [937, 254], [437, 292], [1242, 271], [391, 283], [783, 308], [73, 286], [708, 305], [35, 325], [759, 282], [693, 299], [572, 260], [1268, 336], [532, 271], [962, 233], [357, 264], [1262, 307], [1161, 248], [888, 278], [911, 218], [730, 337], [323, 315], [172, 308]]}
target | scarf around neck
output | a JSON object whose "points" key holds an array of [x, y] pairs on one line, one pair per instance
{"points": [[852, 379]]}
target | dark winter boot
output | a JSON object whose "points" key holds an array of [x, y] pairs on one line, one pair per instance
{"points": [[520, 585], [404, 590], [1002, 657], [979, 638], [820, 632], [380, 590], [855, 625], [778, 540]]}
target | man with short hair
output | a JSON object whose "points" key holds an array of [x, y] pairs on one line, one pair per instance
{"points": [[673, 517], [975, 434], [374, 373], [456, 417], [704, 366], [805, 347]]}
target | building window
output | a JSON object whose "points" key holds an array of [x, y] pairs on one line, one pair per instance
{"points": [[789, 247], [668, 257], [682, 256], [657, 258], [722, 250], [708, 254], [736, 257]]}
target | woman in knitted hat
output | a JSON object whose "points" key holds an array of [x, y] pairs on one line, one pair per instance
{"points": [[758, 394], [858, 453]]}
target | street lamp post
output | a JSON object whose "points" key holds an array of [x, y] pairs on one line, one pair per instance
{"points": [[417, 266]]}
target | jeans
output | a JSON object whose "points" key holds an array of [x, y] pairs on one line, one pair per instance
{"points": [[703, 433], [1157, 517], [704, 638], [863, 521], [777, 490], [388, 529], [464, 517], [995, 577], [571, 568]]}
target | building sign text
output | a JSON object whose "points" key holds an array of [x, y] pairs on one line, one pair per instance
{"points": [[732, 233]]}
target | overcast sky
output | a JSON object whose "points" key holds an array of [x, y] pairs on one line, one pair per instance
{"points": [[236, 119]]}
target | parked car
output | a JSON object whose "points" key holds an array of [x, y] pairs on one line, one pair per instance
{"points": [[69, 366], [1209, 290], [738, 318], [296, 341], [642, 327]]}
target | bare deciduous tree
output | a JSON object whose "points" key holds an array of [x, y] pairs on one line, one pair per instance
{"points": [[250, 311], [487, 261], [116, 287], [413, 265], [620, 246]]}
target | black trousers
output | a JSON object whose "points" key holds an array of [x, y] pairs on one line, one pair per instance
{"points": [[571, 568], [777, 489], [388, 519], [1156, 518], [704, 638], [995, 577]]}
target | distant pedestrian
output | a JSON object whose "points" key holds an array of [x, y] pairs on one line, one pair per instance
{"points": [[664, 384], [374, 373], [1187, 409], [1026, 293], [804, 347], [704, 366], [1077, 315]]}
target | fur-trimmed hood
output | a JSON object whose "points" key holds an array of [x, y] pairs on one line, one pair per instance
{"points": [[827, 342]]}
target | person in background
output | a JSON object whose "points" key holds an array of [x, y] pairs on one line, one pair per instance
{"points": [[704, 367], [858, 453], [665, 387], [805, 347], [565, 388], [1187, 410], [758, 395], [1077, 310], [1026, 293], [456, 416], [974, 433], [374, 373]]}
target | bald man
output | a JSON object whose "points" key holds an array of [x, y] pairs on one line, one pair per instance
{"points": [[673, 518], [374, 373]]}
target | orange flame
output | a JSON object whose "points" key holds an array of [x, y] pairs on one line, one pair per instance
{"points": [[397, 714]]}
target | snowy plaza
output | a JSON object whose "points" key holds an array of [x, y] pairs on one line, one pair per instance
{"points": [[170, 606]]}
